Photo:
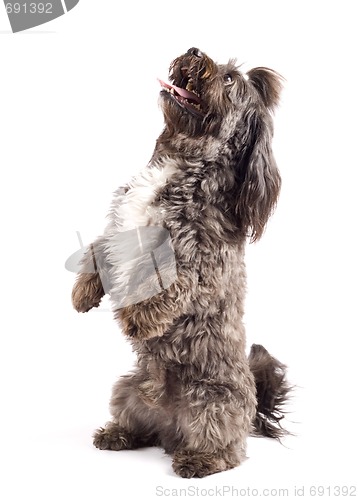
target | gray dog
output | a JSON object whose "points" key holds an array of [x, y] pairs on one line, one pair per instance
{"points": [[211, 184]]}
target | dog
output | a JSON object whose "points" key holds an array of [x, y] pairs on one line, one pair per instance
{"points": [[211, 185]]}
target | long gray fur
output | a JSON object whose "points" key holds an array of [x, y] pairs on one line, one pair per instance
{"points": [[212, 183]]}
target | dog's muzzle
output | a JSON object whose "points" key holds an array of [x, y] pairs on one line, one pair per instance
{"points": [[196, 63], [188, 74], [195, 52]]}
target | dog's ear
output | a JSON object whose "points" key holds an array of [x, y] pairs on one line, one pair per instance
{"points": [[268, 84], [259, 183]]}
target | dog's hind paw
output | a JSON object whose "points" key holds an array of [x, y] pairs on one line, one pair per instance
{"points": [[112, 437], [190, 464]]}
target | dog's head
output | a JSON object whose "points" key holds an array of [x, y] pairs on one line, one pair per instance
{"points": [[205, 98], [208, 101]]}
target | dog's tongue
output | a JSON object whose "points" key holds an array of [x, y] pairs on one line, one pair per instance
{"points": [[182, 92]]}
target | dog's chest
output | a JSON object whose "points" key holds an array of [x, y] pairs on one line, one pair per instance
{"points": [[136, 207]]}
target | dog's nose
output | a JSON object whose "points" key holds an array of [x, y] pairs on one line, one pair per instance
{"points": [[195, 52]]}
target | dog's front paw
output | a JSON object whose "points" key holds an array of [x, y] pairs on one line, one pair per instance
{"points": [[87, 292], [143, 333], [136, 324]]}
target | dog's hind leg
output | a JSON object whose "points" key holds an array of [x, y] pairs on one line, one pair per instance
{"points": [[135, 416], [189, 463], [215, 427], [116, 437]]}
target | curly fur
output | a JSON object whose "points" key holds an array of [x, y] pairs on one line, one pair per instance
{"points": [[212, 183], [272, 391]]}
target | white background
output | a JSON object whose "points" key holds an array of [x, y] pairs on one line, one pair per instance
{"points": [[78, 116]]}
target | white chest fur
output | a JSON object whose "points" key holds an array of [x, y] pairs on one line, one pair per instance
{"points": [[131, 245], [134, 209]]}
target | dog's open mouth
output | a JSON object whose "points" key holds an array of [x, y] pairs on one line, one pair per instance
{"points": [[186, 98]]}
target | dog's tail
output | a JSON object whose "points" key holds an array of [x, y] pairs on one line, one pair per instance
{"points": [[272, 391]]}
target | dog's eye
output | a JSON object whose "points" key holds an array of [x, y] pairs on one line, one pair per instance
{"points": [[228, 78]]}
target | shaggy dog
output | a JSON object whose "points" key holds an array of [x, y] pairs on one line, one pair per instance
{"points": [[211, 184]]}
